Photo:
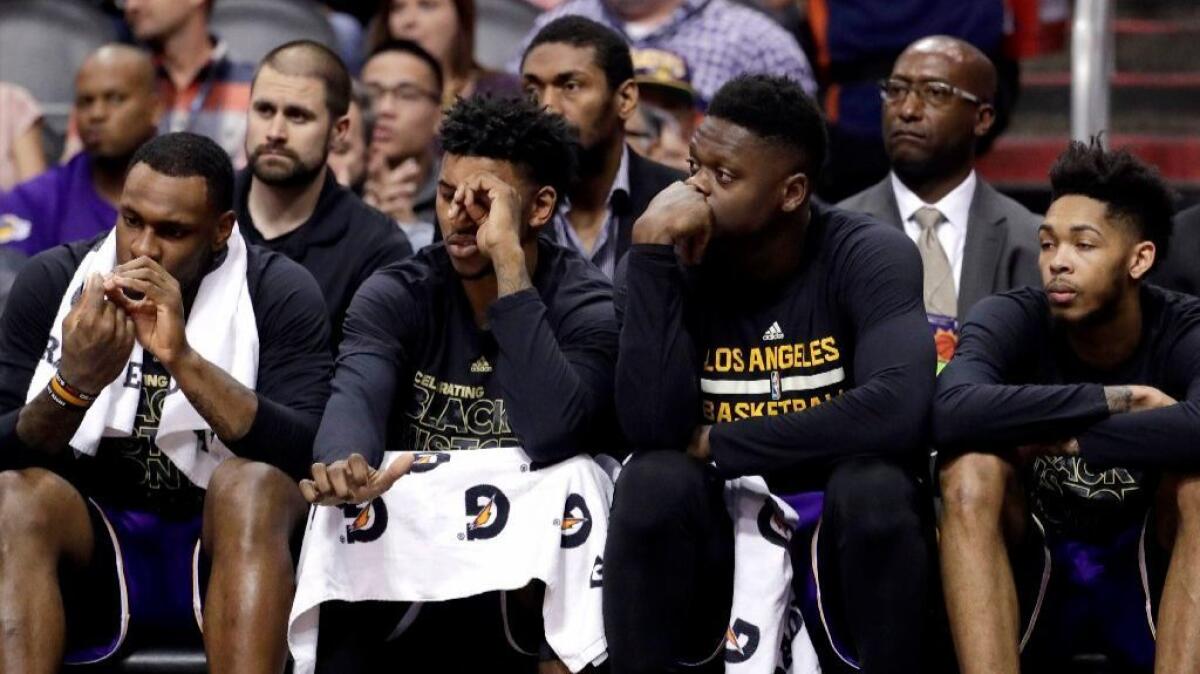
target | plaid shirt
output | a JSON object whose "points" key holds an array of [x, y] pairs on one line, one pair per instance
{"points": [[718, 38], [214, 104]]}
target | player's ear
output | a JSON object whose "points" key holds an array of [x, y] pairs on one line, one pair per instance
{"points": [[542, 206], [796, 190], [1142, 259], [224, 229]]}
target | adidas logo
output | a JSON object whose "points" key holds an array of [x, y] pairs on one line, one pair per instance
{"points": [[773, 333], [481, 366]]}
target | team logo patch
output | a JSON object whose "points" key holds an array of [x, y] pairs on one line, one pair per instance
{"points": [[487, 512], [597, 575], [772, 526], [741, 641], [576, 522], [773, 333], [13, 228], [423, 462], [367, 522]]}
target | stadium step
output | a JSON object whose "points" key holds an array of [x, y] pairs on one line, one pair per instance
{"points": [[1155, 95]]}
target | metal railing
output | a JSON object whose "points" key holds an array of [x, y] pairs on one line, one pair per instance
{"points": [[1092, 57]]}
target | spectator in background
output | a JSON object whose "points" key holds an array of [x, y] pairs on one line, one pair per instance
{"points": [[21, 155], [350, 36], [204, 91], [719, 39], [857, 41], [667, 103], [348, 157], [287, 200], [116, 110], [974, 241], [404, 83], [445, 29], [582, 70]]}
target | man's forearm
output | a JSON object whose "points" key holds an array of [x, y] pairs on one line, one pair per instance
{"points": [[47, 426], [512, 274], [1119, 399], [227, 405]]}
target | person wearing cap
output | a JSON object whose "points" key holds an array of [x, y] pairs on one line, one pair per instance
{"points": [[720, 39], [583, 70], [668, 107]]}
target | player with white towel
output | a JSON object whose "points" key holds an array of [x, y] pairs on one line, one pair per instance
{"points": [[495, 340]]}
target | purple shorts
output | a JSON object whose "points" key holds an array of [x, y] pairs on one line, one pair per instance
{"points": [[1090, 597], [1075, 597], [806, 582], [143, 585]]}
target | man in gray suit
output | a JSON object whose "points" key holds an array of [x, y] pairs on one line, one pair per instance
{"points": [[973, 240]]}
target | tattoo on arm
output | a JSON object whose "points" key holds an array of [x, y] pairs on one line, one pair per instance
{"points": [[1119, 399], [511, 276], [227, 405]]}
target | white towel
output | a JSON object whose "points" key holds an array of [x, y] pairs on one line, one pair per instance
{"points": [[220, 327], [460, 524], [766, 632]]}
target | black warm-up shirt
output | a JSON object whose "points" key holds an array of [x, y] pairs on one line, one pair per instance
{"points": [[292, 386], [416, 373], [342, 243], [1014, 380], [834, 361]]}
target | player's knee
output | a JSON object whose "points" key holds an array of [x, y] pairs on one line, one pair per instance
{"points": [[878, 498], [31, 502], [973, 487], [1187, 498], [251, 502], [653, 490]]}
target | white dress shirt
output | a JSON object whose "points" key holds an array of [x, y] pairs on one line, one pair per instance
{"points": [[952, 233]]}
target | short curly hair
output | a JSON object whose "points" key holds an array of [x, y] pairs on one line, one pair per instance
{"points": [[1133, 190], [609, 50], [775, 108], [183, 154], [515, 130]]}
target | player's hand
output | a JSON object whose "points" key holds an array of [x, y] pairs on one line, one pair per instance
{"points": [[1149, 398], [680, 216], [494, 207], [97, 339], [1122, 399], [552, 667], [699, 448], [393, 190], [153, 299], [352, 480]]}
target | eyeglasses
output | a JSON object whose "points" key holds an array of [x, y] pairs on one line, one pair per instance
{"points": [[936, 94], [403, 92]]}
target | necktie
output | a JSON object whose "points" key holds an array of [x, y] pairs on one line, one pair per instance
{"points": [[940, 295]]}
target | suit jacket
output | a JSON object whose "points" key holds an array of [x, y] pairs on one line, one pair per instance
{"points": [[1179, 269], [646, 179], [1001, 249]]}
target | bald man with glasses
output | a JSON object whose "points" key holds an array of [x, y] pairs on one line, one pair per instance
{"points": [[974, 241]]}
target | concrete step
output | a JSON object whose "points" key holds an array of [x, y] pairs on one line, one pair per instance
{"points": [[1024, 161]]}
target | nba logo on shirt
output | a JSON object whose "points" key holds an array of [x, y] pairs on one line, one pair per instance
{"points": [[776, 386]]}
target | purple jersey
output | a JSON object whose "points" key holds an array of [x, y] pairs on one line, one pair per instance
{"points": [[56, 207]]}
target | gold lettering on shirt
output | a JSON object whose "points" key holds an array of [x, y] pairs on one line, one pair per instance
{"points": [[733, 360]]}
